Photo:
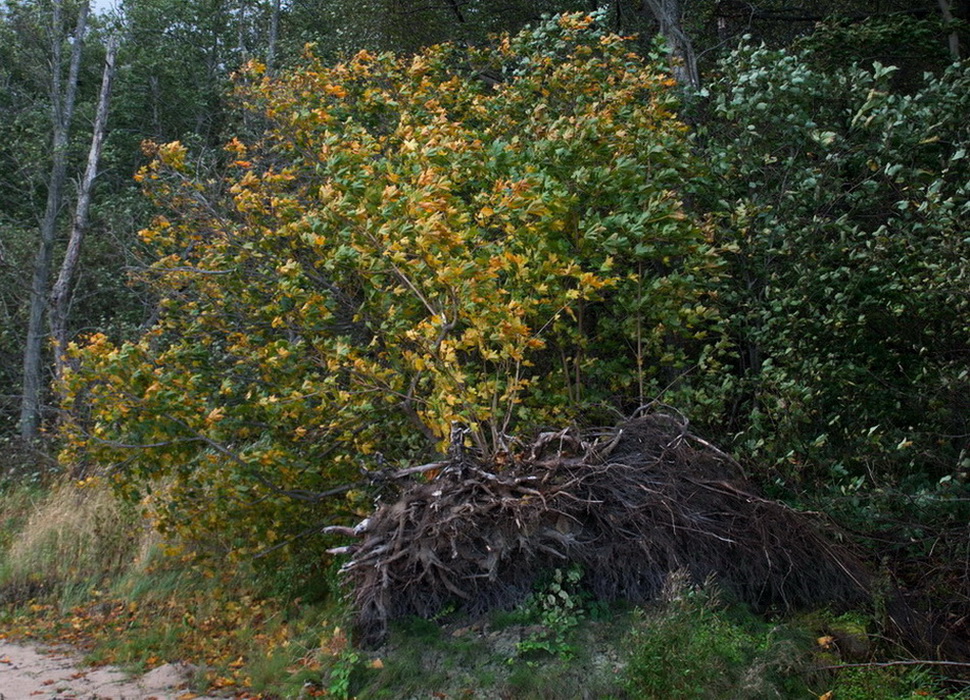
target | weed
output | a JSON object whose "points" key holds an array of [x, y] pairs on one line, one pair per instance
{"points": [[559, 608], [341, 673], [888, 683]]}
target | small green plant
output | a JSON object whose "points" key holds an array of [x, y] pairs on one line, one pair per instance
{"points": [[559, 608], [341, 674], [877, 683]]}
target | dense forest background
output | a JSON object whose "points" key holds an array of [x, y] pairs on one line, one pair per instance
{"points": [[780, 254]]}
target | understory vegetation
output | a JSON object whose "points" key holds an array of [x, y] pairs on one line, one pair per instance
{"points": [[517, 369], [111, 589]]}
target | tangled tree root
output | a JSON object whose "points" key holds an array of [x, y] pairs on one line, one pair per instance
{"points": [[630, 505]]}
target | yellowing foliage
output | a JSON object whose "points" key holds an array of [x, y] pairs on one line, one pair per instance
{"points": [[410, 244]]}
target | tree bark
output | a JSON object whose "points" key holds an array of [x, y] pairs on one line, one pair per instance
{"points": [[954, 38], [274, 24], [61, 293], [62, 109], [683, 58]]}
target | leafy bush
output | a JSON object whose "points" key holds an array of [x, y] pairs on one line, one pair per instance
{"points": [[915, 44], [848, 201], [490, 236]]}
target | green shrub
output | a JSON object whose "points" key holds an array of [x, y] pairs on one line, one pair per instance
{"points": [[848, 201]]}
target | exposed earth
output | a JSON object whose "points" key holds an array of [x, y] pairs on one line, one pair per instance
{"points": [[28, 673]]}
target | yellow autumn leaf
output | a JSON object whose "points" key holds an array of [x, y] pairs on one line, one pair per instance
{"points": [[825, 642]]}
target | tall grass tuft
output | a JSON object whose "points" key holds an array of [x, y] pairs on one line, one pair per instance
{"points": [[72, 535]]}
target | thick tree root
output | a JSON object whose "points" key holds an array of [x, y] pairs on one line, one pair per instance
{"points": [[629, 505]]}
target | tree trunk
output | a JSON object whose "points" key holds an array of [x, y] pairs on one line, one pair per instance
{"points": [[274, 24], [683, 59], [62, 108], [456, 11], [954, 38], [61, 293]]}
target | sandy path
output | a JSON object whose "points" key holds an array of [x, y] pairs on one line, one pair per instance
{"points": [[28, 673]]}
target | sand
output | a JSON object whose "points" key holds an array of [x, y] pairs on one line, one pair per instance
{"points": [[37, 673]]}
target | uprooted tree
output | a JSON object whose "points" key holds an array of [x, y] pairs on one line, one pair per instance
{"points": [[627, 510], [491, 236], [630, 505]]}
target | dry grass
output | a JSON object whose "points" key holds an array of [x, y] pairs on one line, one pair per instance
{"points": [[73, 534]]}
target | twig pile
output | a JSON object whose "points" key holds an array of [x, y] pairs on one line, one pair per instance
{"points": [[630, 505]]}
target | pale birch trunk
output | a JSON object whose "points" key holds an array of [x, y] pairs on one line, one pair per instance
{"points": [[683, 58], [61, 293], [62, 108], [274, 23], [954, 38]]}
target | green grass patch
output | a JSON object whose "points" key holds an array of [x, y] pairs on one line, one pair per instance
{"points": [[891, 683], [695, 648]]}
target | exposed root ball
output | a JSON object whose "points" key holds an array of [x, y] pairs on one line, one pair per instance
{"points": [[629, 504]]}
